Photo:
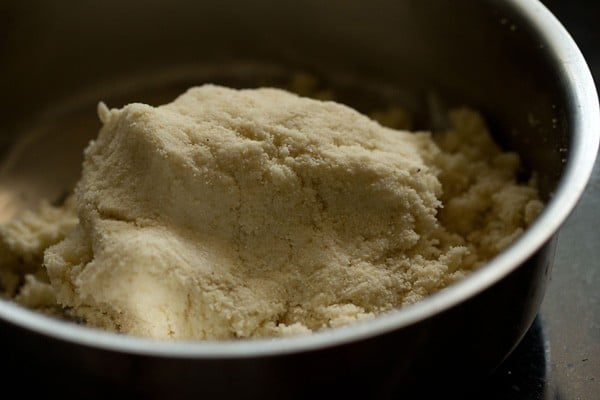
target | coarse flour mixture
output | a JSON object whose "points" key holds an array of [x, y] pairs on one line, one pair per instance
{"points": [[247, 213]]}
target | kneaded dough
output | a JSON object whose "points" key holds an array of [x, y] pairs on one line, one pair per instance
{"points": [[245, 213]]}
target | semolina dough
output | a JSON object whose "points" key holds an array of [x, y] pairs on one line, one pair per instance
{"points": [[251, 213]]}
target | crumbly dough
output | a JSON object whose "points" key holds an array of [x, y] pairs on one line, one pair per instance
{"points": [[247, 213], [22, 245]]}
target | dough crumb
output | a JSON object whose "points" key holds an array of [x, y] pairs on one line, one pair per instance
{"points": [[251, 213]]}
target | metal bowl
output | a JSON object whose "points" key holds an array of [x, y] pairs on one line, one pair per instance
{"points": [[510, 59]]}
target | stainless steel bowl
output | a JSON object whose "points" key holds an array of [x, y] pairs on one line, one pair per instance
{"points": [[511, 59]]}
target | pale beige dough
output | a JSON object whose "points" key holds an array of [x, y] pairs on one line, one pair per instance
{"points": [[22, 245], [246, 213]]}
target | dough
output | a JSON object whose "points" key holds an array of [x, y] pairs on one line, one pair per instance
{"points": [[22, 245], [247, 213]]}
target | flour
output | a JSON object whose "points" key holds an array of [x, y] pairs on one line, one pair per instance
{"points": [[248, 213]]}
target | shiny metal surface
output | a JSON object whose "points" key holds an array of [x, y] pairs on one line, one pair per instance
{"points": [[571, 309], [510, 59]]}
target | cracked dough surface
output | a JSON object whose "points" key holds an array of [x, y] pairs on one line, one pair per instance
{"points": [[247, 213]]}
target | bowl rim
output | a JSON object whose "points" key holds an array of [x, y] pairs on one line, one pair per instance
{"points": [[586, 127]]}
